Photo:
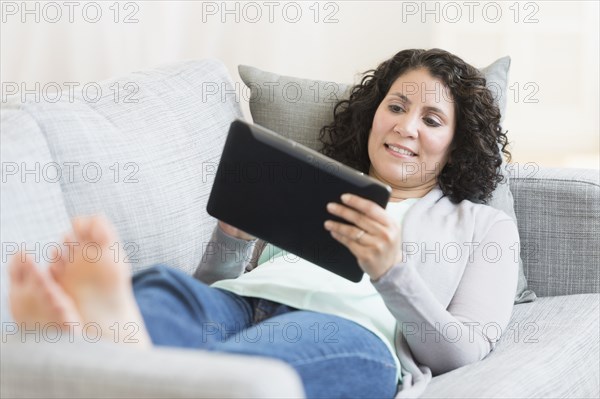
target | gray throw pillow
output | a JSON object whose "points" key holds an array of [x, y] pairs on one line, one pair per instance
{"points": [[298, 109]]}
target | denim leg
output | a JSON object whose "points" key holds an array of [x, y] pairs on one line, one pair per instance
{"points": [[179, 310], [335, 357], [264, 308]]}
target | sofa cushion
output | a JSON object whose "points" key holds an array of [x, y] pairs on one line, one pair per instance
{"points": [[32, 209], [298, 109], [549, 350], [145, 157]]}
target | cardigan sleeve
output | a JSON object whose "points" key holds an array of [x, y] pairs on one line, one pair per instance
{"points": [[225, 257], [445, 339]]}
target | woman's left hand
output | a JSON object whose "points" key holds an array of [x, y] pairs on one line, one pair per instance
{"points": [[375, 239]]}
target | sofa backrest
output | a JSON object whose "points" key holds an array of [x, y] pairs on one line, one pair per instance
{"points": [[144, 153], [559, 226]]}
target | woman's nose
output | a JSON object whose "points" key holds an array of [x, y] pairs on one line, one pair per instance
{"points": [[406, 127]]}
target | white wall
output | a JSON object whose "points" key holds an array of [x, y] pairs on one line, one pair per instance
{"points": [[554, 48]]}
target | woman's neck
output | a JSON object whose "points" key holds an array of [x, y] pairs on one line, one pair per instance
{"points": [[401, 193]]}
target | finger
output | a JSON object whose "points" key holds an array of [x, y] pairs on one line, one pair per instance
{"points": [[349, 232], [367, 207], [351, 244], [362, 221]]}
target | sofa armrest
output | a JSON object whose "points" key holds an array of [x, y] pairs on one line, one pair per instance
{"points": [[94, 370], [558, 214]]}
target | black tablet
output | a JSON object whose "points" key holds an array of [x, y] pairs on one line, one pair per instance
{"points": [[277, 190]]}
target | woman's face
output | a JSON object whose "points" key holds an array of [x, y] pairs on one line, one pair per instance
{"points": [[416, 114]]}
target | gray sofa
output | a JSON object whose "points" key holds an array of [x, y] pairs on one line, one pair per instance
{"points": [[146, 158]]}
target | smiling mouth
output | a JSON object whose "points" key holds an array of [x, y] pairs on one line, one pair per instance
{"points": [[400, 151]]}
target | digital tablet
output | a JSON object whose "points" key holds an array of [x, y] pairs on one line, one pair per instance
{"points": [[277, 190]]}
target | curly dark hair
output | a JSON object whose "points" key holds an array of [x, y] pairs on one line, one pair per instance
{"points": [[473, 170]]}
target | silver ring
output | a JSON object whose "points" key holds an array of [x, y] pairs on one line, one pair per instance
{"points": [[359, 235]]}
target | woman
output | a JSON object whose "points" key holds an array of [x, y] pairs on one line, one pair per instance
{"points": [[433, 297]]}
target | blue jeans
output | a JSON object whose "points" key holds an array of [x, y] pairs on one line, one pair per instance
{"points": [[333, 356]]}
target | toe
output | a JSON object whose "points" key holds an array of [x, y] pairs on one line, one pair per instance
{"points": [[55, 259], [70, 242], [72, 246], [15, 269], [101, 231], [56, 272], [81, 228], [21, 268], [61, 257], [35, 276]]}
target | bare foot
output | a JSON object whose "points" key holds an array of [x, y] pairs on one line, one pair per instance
{"points": [[37, 301], [99, 284]]}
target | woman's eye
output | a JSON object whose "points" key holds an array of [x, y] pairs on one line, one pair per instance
{"points": [[431, 122], [396, 108]]}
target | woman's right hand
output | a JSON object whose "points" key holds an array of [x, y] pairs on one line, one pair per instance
{"points": [[235, 232]]}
